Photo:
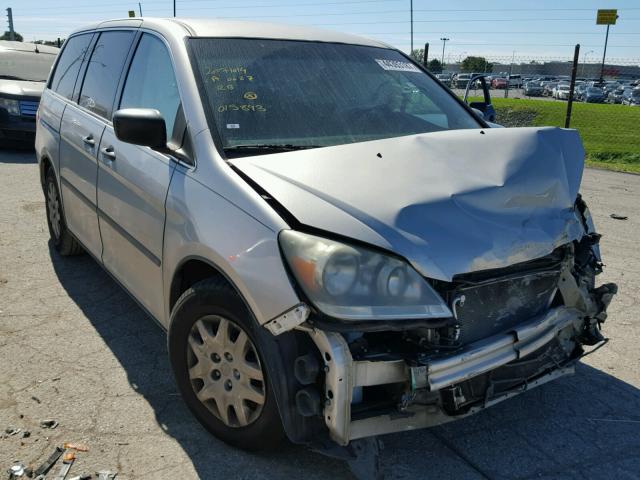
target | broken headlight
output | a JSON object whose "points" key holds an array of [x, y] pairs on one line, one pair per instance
{"points": [[354, 283]]}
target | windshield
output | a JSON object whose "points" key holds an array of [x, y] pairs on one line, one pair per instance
{"points": [[25, 65], [310, 94]]}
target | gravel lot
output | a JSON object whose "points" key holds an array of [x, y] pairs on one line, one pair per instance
{"points": [[76, 349]]}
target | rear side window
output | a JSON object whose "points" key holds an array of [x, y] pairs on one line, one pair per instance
{"points": [[66, 73], [103, 72], [151, 82]]}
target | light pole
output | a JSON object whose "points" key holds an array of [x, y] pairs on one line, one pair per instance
{"points": [[584, 60], [411, 2], [444, 42]]}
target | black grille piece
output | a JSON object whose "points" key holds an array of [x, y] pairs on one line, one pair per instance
{"points": [[496, 305]]}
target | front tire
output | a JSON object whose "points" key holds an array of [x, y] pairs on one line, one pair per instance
{"points": [[63, 241], [219, 367]]}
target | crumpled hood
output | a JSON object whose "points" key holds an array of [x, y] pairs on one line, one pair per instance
{"points": [[22, 88], [449, 202]]}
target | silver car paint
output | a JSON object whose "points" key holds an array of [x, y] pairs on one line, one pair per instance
{"points": [[460, 201], [204, 198]]}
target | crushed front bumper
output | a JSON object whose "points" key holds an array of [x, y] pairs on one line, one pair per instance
{"points": [[344, 374], [440, 386]]}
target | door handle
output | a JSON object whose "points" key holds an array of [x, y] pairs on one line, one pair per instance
{"points": [[88, 140], [108, 152]]}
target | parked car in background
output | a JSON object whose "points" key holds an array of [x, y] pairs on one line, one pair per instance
{"points": [[548, 88], [544, 80], [24, 68], [461, 80], [561, 92], [499, 82], [615, 96], [610, 87], [533, 89], [515, 81], [308, 290], [445, 78], [594, 95], [631, 97], [580, 91]]}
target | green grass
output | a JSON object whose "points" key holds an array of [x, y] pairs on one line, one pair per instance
{"points": [[611, 133]]}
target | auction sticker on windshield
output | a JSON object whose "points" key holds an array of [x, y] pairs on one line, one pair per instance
{"points": [[397, 66]]}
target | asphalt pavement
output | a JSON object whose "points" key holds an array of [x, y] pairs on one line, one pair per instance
{"points": [[76, 349]]}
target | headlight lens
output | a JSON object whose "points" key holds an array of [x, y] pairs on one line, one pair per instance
{"points": [[354, 283], [11, 106]]}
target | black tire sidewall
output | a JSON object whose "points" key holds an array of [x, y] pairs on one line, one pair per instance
{"points": [[51, 179], [208, 299]]}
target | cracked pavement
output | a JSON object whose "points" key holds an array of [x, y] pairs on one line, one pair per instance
{"points": [[75, 348]]}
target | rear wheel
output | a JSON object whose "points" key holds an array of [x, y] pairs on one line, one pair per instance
{"points": [[63, 241], [219, 367]]}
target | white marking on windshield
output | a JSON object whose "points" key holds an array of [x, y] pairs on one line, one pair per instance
{"points": [[397, 66]]}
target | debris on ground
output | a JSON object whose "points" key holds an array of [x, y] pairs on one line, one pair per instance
{"points": [[26, 434], [615, 216], [17, 470], [82, 477], [106, 475], [79, 447], [12, 431], [67, 461], [35, 399], [49, 462], [48, 424]]}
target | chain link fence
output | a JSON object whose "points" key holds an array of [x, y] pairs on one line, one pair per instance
{"points": [[606, 113]]}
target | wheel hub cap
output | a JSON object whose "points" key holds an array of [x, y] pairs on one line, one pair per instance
{"points": [[53, 206], [225, 371]]}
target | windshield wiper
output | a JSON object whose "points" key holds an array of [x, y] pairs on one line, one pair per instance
{"points": [[270, 147]]}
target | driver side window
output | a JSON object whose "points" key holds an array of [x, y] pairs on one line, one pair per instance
{"points": [[151, 82]]}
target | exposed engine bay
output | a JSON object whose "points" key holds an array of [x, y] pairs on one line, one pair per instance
{"points": [[512, 329]]}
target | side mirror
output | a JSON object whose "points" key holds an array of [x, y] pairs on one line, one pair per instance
{"points": [[141, 126], [478, 113]]}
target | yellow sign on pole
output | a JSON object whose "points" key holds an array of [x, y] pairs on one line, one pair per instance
{"points": [[132, 13], [607, 17]]}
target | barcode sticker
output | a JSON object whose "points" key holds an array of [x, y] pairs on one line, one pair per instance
{"points": [[397, 66]]}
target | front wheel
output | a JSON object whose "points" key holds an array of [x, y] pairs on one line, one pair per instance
{"points": [[219, 367]]}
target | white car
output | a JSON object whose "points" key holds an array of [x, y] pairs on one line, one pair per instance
{"points": [[561, 92]]}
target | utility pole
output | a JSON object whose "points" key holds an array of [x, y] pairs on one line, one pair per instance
{"points": [[174, 8], [584, 60], [425, 58], [411, 4], [506, 90], [12, 33], [444, 42], [140, 8]]}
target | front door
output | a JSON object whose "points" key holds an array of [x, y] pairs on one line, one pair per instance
{"points": [[133, 181]]}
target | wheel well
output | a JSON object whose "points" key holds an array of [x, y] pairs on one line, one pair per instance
{"points": [[45, 165], [189, 273]]}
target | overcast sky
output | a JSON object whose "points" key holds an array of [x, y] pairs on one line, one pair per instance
{"points": [[530, 28]]}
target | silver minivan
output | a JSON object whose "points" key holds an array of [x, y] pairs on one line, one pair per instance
{"points": [[337, 246]]}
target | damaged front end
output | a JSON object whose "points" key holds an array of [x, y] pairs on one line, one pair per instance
{"points": [[511, 329]]}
